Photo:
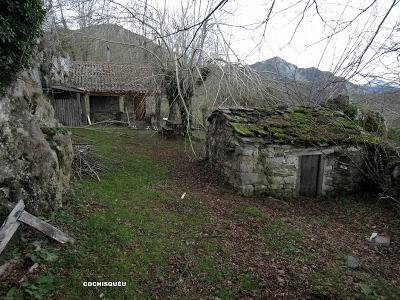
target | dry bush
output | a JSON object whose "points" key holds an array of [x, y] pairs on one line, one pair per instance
{"points": [[87, 162], [382, 170]]}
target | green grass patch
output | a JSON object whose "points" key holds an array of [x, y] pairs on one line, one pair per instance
{"points": [[254, 212], [125, 230], [282, 238], [223, 294]]}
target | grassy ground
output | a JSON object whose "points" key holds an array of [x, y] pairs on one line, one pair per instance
{"points": [[134, 226]]}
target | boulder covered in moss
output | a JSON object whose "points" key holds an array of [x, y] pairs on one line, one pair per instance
{"points": [[35, 151], [34, 167]]}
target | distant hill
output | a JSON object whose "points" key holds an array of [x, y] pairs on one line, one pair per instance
{"points": [[90, 44], [277, 67], [306, 86], [378, 85], [311, 85]]}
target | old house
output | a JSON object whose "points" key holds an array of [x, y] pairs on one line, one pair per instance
{"points": [[300, 151], [101, 91]]}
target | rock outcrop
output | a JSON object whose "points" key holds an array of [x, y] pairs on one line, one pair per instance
{"points": [[35, 150]]}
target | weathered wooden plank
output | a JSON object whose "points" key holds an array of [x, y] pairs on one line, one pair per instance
{"points": [[309, 175], [68, 110], [44, 227], [10, 225]]}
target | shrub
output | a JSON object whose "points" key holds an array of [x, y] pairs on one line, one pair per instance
{"points": [[20, 27], [373, 121], [343, 104], [381, 170], [394, 135]]}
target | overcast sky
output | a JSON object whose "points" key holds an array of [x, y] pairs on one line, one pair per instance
{"points": [[308, 47], [301, 50]]}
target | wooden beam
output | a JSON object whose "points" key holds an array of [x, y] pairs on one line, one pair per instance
{"points": [[18, 215], [44, 227], [10, 225], [121, 104], [79, 104], [86, 99]]}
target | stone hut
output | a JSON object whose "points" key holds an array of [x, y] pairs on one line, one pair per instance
{"points": [[286, 152]]}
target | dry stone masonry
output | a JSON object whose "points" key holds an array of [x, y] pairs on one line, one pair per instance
{"points": [[260, 151]]}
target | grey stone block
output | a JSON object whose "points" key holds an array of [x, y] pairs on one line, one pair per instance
{"points": [[246, 190], [260, 188], [250, 150], [249, 178], [246, 167]]}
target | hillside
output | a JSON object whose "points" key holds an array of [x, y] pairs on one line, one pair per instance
{"points": [[91, 44]]}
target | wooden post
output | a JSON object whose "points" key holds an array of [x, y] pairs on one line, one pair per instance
{"points": [[121, 104], [86, 98], [78, 99]]}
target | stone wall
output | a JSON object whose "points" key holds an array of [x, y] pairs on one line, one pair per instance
{"points": [[253, 166], [342, 172], [35, 152], [104, 108]]}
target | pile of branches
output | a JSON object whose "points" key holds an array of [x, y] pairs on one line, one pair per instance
{"points": [[87, 162]]}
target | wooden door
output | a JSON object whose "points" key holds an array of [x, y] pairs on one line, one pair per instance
{"points": [[139, 107], [309, 175], [67, 111]]}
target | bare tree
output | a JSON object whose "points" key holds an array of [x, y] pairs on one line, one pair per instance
{"points": [[192, 49], [80, 13], [195, 47]]}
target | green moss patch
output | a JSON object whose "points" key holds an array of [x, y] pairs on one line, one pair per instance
{"points": [[50, 132], [298, 125], [241, 128]]}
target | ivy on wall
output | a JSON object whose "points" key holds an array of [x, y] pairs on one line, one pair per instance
{"points": [[20, 22]]}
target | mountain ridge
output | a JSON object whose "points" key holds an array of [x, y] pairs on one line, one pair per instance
{"points": [[281, 67], [278, 68]]}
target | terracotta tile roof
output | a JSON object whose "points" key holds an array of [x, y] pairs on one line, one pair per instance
{"points": [[104, 77]]}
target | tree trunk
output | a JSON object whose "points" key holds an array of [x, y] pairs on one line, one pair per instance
{"points": [[173, 109], [186, 115], [158, 99], [204, 115]]}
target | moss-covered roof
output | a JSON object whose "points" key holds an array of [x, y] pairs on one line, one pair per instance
{"points": [[296, 125]]}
